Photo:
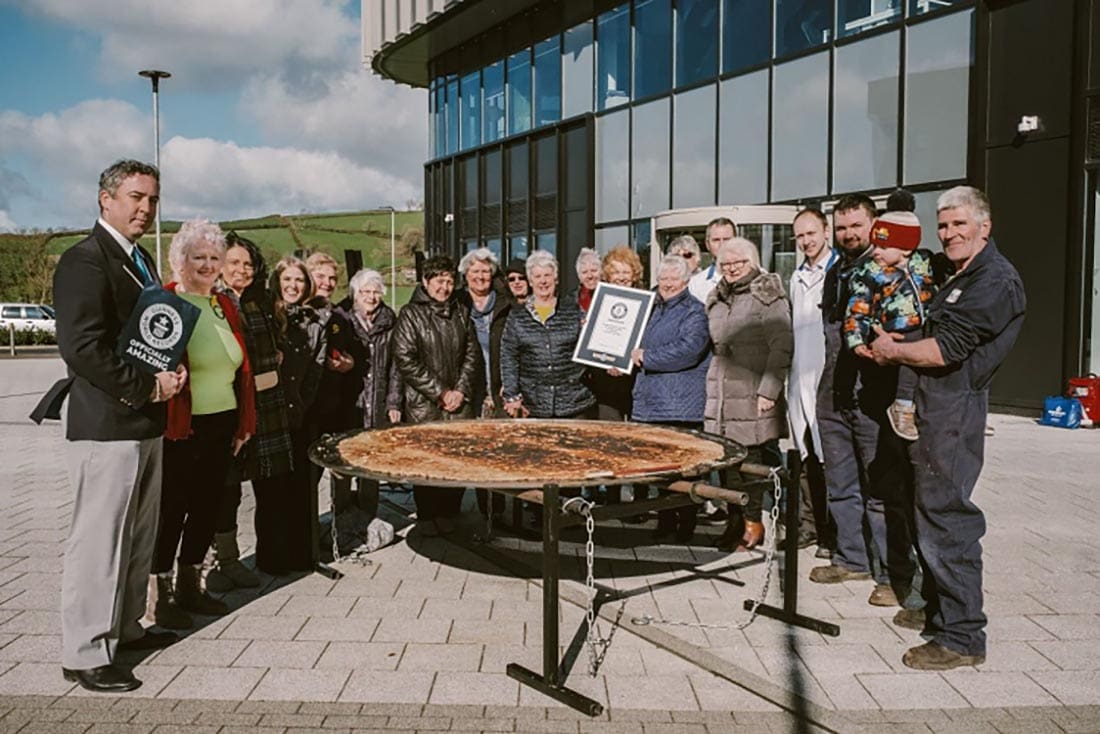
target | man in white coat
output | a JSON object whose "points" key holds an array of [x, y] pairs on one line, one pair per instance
{"points": [[811, 234]]}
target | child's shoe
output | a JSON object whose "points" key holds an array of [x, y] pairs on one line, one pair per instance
{"points": [[903, 419]]}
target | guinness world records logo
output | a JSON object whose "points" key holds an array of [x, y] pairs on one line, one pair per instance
{"points": [[161, 326]]}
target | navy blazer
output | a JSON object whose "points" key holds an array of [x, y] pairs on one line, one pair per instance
{"points": [[95, 289]]}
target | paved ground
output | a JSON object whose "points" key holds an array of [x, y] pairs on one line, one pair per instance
{"points": [[418, 640]]}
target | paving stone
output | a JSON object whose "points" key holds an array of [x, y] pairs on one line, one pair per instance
{"points": [[369, 686], [154, 717], [189, 729], [329, 708], [361, 655], [232, 684], [297, 685], [412, 630], [282, 654], [317, 606], [900, 691], [34, 678], [483, 724], [986, 689], [437, 657], [203, 653], [54, 727], [1070, 687], [354, 721], [486, 688], [351, 629], [498, 633], [221, 718], [267, 706], [661, 692], [420, 723], [116, 728], [263, 628]]}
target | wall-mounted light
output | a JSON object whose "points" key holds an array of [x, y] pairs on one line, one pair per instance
{"points": [[1029, 124]]}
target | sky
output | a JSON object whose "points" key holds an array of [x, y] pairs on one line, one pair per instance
{"points": [[269, 109]]}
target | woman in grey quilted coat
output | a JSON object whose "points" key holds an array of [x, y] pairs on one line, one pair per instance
{"points": [[749, 319]]}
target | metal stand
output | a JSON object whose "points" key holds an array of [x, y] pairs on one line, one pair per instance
{"points": [[789, 612], [551, 682]]}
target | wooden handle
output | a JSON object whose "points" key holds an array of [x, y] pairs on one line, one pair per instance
{"points": [[710, 492]]}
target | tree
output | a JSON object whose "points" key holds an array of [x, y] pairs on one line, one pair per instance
{"points": [[412, 241], [26, 269]]}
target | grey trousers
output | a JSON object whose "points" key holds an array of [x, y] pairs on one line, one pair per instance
{"points": [[110, 548]]}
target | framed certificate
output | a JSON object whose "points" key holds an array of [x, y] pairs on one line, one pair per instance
{"points": [[614, 328]]}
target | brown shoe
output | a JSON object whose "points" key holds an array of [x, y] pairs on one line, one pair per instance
{"points": [[884, 596], [934, 656], [910, 619], [833, 574]]}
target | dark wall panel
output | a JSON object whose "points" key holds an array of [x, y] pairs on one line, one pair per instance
{"points": [[1030, 62], [1027, 189]]}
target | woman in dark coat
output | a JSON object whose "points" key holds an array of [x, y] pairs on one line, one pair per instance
{"points": [[437, 355], [369, 393], [673, 358], [286, 526], [749, 319], [539, 377]]}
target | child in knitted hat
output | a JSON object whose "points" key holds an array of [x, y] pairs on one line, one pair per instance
{"points": [[890, 290]]}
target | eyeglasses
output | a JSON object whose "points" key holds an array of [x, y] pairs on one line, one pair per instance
{"points": [[515, 278], [689, 255], [733, 264]]}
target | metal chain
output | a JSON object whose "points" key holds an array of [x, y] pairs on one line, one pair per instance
{"points": [[356, 556], [769, 559], [597, 644]]}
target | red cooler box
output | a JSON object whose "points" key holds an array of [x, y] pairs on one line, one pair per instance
{"points": [[1087, 390]]}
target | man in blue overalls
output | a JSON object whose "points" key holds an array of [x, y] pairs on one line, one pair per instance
{"points": [[972, 324]]}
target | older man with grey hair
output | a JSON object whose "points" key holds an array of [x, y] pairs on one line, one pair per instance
{"points": [[970, 328]]}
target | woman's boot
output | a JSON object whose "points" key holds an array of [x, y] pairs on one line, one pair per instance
{"points": [[167, 612], [189, 593], [228, 572]]}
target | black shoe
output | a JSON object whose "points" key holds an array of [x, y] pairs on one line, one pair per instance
{"points": [[104, 679], [824, 553], [717, 517], [684, 535], [805, 540], [636, 519], [150, 641]]}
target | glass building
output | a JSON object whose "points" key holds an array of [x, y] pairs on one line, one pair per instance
{"points": [[556, 125]]}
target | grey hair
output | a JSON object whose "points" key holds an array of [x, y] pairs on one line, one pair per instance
{"points": [[362, 278], [192, 233], [587, 253], [541, 259], [683, 243], [113, 176], [966, 196], [677, 263], [743, 247], [481, 255]]}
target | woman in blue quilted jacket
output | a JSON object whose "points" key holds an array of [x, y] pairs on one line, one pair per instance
{"points": [[671, 386]]}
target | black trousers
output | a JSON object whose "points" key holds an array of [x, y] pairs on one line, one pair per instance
{"points": [[814, 514], [767, 454], [682, 519], [226, 521], [286, 516], [194, 478], [433, 502]]}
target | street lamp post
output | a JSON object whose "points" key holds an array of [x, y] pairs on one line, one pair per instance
{"points": [[155, 75]]}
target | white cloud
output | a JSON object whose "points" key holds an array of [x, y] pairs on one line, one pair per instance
{"points": [[361, 116], [6, 222], [220, 180], [201, 177], [209, 43]]}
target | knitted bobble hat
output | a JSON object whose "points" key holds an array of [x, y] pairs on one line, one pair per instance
{"points": [[896, 229]]}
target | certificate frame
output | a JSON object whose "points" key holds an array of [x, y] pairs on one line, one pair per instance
{"points": [[616, 322]]}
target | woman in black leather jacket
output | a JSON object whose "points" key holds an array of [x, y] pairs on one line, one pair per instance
{"points": [[437, 354]]}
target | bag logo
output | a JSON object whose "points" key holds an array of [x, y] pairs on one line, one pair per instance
{"points": [[953, 296], [161, 326]]}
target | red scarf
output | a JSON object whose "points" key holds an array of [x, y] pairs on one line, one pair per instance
{"points": [[179, 407], [584, 298]]}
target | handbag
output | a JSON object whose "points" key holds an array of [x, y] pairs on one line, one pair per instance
{"points": [[1087, 390], [1061, 412]]}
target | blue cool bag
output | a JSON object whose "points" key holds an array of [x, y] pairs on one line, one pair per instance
{"points": [[1061, 412]]}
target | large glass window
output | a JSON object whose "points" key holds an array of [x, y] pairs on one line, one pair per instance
{"points": [[696, 40], [865, 114], [576, 70], [516, 214], [611, 237], [519, 92], [467, 173], [652, 47], [492, 81], [613, 57], [547, 81], [746, 33], [857, 16], [800, 128], [440, 118], [454, 109], [491, 191], [612, 161], [742, 128], [937, 94], [693, 151], [926, 214], [470, 90], [920, 7], [546, 184], [649, 159], [802, 24]]}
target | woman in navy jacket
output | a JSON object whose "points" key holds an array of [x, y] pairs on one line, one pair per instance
{"points": [[673, 358]]}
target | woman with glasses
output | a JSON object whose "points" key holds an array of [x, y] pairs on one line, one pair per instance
{"points": [[516, 277], [749, 320]]}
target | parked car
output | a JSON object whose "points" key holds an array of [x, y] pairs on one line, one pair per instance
{"points": [[26, 316]]}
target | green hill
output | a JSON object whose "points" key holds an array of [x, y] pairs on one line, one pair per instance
{"points": [[278, 236]]}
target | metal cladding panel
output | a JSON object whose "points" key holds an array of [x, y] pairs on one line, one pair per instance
{"points": [[385, 20]]}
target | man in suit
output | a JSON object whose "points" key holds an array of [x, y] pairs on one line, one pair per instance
{"points": [[115, 420]]}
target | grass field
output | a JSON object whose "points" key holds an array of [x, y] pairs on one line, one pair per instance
{"points": [[278, 236]]}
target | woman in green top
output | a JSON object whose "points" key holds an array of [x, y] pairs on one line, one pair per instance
{"points": [[208, 423]]}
